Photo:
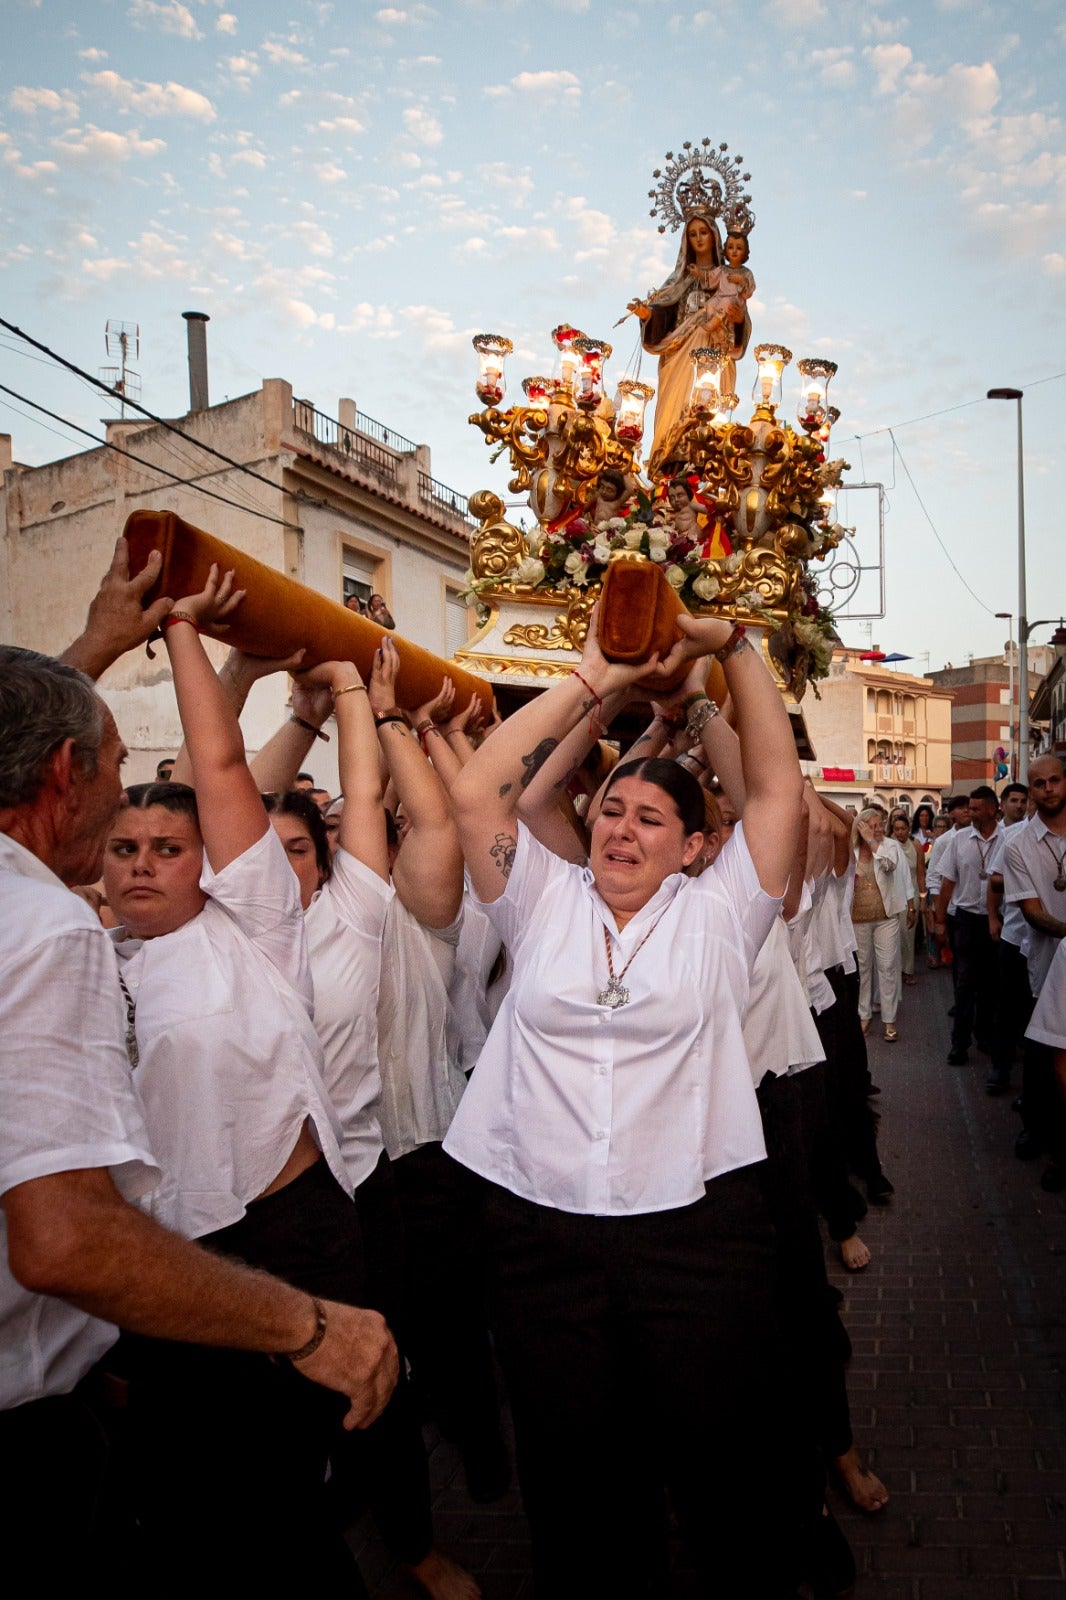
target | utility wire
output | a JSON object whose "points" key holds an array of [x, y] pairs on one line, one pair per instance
{"points": [[929, 415], [151, 465], [136, 406], [898, 452]]}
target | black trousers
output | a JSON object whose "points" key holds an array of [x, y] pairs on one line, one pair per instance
{"points": [[230, 1448], [976, 982], [1014, 1007], [641, 1351], [816, 1343], [55, 1457], [848, 1079], [385, 1466], [444, 1324], [827, 1093]]}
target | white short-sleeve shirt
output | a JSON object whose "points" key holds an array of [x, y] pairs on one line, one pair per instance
{"points": [[966, 862], [230, 1063], [589, 1109], [779, 1035], [345, 922], [1047, 1025], [1030, 870], [1015, 928], [418, 1037], [66, 1102]]}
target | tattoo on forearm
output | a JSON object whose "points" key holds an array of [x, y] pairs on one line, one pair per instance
{"points": [[741, 644], [535, 760], [505, 788], [645, 738], [503, 852]]}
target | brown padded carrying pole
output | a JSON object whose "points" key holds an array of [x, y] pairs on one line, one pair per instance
{"points": [[279, 616]]}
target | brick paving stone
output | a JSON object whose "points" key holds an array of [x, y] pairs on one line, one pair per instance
{"points": [[958, 1380]]}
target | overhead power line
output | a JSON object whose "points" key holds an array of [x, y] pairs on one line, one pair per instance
{"points": [[951, 560], [151, 465], [134, 405]]}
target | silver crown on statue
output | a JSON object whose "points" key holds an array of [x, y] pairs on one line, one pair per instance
{"points": [[702, 181]]}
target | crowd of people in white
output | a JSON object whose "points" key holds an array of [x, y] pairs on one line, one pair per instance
{"points": [[514, 1067]]}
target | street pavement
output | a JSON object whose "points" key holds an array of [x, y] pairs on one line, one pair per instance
{"points": [[959, 1334]]}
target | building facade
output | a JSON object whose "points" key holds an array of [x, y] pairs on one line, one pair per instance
{"points": [[342, 504], [878, 735], [984, 713], [1048, 709]]}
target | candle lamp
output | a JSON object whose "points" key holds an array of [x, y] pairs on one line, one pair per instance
{"points": [[630, 400], [492, 351], [772, 360]]}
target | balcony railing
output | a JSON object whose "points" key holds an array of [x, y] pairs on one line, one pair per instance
{"points": [[384, 454], [443, 498]]}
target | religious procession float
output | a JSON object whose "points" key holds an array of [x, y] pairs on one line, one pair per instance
{"points": [[737, 515]]}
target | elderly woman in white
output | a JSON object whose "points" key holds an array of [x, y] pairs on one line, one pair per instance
{"points": [[884, 886], [614, 1116]]}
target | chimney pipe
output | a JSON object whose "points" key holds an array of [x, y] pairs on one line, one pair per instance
{"points": [[196, 327]]}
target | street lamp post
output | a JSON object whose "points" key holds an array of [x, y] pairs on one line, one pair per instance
{"points": [[1023, 626], [1008, 616]]}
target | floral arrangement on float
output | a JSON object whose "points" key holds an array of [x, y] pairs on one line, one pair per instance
{"points": [[734, 514]]}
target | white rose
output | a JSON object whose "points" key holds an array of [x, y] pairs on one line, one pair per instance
{"points": [[529, 571], [616, 524], [706, 586], [675, 575], [601, 550], [573, 562], [633, 536], [657, 552], [732, 563]]}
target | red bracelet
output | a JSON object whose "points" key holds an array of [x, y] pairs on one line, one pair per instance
{"points": [[598, 698], [178, 616]]}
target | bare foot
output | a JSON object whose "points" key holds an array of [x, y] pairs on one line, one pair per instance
{"points": [[444, 1579], [864, 1488], [854, 1253]]}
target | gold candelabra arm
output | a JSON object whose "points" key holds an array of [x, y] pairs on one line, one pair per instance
{"points": [[520, 431]]}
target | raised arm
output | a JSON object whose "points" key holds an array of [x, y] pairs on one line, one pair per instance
{"points": [[237, 674], [545, 806], [232, 817], [428, 871], [117, 619], [487, 792], [362, 829], [772, 780], [842, 821], [798, 872]]}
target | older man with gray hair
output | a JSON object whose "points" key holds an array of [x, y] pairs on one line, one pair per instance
{"points": [[76, 1255]]}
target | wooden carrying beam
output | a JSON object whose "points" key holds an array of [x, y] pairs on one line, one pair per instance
{"points": [[279, 616]]}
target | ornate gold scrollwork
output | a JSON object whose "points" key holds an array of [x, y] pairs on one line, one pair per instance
{"points": [[497, 547], [520, 430], [568, 630], [576, 446]]}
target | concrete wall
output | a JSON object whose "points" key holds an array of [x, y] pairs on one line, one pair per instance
{"points": [[59, 523]]}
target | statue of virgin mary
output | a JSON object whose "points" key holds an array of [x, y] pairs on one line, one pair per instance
{"points": [[697, 307]]}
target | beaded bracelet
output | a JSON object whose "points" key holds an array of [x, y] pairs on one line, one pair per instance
{"points": [[316, 1338]]}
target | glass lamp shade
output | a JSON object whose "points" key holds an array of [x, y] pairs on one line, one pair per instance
{"points": [[492, 351], [705, 399], [815, 377], [630, 400], [569, 361], [588, 379], [832, 416], [538, 391], [727, 404], [772, 360]]}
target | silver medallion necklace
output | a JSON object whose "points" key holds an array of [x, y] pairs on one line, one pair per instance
{"points": [[616, 994], [1060, 863]]}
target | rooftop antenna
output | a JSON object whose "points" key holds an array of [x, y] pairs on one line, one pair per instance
{"points": [[122, 340]]}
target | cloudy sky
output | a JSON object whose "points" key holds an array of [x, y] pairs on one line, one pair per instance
{"points": [[352, 191]]}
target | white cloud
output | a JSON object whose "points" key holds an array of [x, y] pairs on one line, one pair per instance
{"points": [[835, 65], [377, 322], [888, 62], [280, 53], [422, 125], [329, 172], [1054, 264], [92, 54], [225, 22], [31, 101], [171, 16], [152, 99], [389, 17], [549, 86], [795, 13], [250, 158], [94, 144]]}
